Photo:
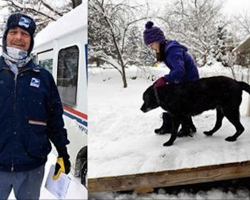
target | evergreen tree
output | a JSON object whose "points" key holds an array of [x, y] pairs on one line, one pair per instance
{"points": [[223, 44]]}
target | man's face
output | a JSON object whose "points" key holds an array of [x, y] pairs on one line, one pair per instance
{"points": [[155, 46], [18, 38]]}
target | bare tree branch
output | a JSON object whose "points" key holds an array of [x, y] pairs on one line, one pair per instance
{"points": [[51, 9]]}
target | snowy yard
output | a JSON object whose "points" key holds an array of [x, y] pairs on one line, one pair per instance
{"points": [[122, 139]]}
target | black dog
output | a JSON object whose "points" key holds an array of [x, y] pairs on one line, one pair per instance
{"points": [[184, 100]]}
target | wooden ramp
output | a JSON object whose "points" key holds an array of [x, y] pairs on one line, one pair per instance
{"points": [[151, 180]]}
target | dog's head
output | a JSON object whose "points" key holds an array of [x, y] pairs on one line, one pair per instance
{"points": [[149, 99]]}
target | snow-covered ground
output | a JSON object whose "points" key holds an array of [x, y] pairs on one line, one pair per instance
{"points": [[122, 139], [75, 191]]}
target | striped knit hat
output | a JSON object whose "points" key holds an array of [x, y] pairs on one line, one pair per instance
{"points": [[153, 34]]}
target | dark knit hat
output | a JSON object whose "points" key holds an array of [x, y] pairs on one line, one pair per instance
{"points": [[22, 21], [153, 34]]}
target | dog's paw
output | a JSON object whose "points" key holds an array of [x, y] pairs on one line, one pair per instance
{"points": [[167, 144], [208, 133], [230, 139]]}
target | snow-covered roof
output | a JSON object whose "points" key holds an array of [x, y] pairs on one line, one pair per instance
{"points": [[244, 45], [72, 21]]}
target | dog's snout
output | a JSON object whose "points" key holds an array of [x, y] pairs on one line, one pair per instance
{"points": [[142, 109], [145, 109]]}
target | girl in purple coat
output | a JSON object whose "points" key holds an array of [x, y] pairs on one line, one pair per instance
{"points": [[177, 59]]}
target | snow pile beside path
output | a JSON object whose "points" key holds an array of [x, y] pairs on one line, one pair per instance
{"points": [[241, 74], [214, 193]]}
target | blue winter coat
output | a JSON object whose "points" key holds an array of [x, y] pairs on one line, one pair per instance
{"points": [[30, 117], [181, 65]]}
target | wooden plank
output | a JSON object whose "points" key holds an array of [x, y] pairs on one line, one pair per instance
{"points": [[144, 190], [139, 182]]}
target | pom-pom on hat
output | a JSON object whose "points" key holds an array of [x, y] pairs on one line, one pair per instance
{"points": [[22, 21], [153, 34]]}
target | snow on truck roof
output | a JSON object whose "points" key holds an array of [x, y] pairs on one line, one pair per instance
{"points": [[70, 22]]}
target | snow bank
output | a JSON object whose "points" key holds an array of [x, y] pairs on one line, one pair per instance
{"points": [[211, 194]]}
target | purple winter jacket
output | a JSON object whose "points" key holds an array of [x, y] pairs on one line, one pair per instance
{"points": [[181, 65]]}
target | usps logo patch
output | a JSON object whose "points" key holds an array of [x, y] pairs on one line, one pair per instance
{"points": [[35, 82], [24, 22]]}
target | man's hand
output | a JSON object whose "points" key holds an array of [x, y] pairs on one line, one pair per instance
{"points": [[62, 164]]}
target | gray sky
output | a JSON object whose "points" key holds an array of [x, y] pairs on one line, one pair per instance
{"points": [[230, 6], [236, 6]]}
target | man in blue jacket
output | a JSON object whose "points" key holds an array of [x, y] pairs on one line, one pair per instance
{"points": [[30, 114], [177, 59]]}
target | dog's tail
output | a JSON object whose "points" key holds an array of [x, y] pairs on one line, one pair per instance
{"points": [[245, 86]]}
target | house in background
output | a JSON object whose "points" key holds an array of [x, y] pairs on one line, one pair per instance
{"points": [[242, 52]]}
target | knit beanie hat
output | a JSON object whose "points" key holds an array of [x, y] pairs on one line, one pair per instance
{"points": [[153, 34], [22, 21]]}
